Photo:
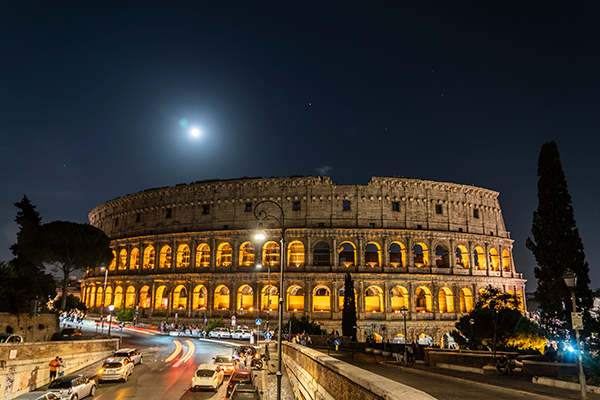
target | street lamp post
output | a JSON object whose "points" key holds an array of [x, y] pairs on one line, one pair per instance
{"points": [[571, 281], [261, 237], [110, 310], [404, 314], [103, 268], [262, 215], [471, 322]]}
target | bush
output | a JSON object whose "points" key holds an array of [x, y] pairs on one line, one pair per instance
{"points": [[215, 323], [125, 314]]}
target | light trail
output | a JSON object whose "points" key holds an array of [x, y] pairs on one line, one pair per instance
{"points": [[176, 352], [188, 355]]}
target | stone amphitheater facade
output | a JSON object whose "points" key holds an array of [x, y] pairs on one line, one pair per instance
{"points": [[190, 250]]}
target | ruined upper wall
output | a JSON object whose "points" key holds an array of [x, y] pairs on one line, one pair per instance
{"points": [[384, 203]]}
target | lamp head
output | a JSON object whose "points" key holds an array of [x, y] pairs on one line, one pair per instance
{"points": [[111, 308], [570, 278], [404, 310]]}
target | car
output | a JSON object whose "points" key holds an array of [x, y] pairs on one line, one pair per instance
{"points": [[10, 338], [72, 387], [70, 334], [225, 363], [207, 376], [116, 368], [37, 395], [243, 392], [241, 334], [134, 355], [219, 333], [239, 377]]}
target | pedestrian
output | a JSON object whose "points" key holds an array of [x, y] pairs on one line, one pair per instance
{"points": [[53, 368], [61, 368]]}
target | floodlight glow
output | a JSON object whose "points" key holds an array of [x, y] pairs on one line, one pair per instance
{"points": [[195, 132], [259, 236]]}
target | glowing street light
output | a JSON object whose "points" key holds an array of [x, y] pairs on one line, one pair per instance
{"points": [[111, 308], [195, 132]]}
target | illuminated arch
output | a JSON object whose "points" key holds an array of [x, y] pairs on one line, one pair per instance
{"points": [[399, 298], [122, 260], [247, 254], [321, 299], [118, 301], [183, 256], [130, 297], [113, 263], [245, 298], [271, 254], [441, 256], [506, 261], [199, 298], [165, 257], [224, 252], [92, 297], [374, 299], [341, 295], [145, 299], [446, 300], [295, 254], [203, 256], [423, 299], [161, 299], [149, 257], [321, 255], [347, 254], [180, 298], [466, 301], [494, 260], [421, 255], [479, 257], [221, 298], [269, 293], [134, 259], [295, 299], [397, 254], [108, 297], [462, 257], [373, 254]]}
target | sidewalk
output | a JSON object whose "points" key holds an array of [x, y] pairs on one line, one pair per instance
{"points": [[269, 378]]}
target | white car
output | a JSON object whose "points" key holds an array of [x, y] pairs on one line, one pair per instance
{"points": [[72, 387], [225, 363], [38, 395], [133, 354], [219, 333], [116, 368], [207, 376], [242, 334]]}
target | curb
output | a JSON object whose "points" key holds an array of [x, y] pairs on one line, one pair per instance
{"points": [[540, 380]]}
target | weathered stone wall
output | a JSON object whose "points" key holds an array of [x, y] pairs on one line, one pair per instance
{"points": [[24, 367], [22, 324]]}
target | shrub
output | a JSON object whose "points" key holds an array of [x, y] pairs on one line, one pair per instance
{"points": [[125, 314], [215, 323]]}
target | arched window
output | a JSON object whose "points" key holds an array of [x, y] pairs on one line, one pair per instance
{"points": [[199, 297], [165, 257], [149, 257], [479, 257], [399, 299], [441, 257], [462, 257], [466, 301], [296, 254], [321, 256], [123, 259], [118, 303], [99, 296], [247, 254], [347, 254], [506, 261], [321, 299], [423, 297], [222, 298], [372, 255], [245, 298], [446, 300], [183, 256], [203, 256], [269, 299], [145, 298], [397, 255], [374, 299], [421, 255], [180, 298], [341, 298], [224, 255], [92, 297], [271, 254], [134, 259], [494, 260], [162, 298], [113, 263], [130, 297], [108, 296], [295, 299]]}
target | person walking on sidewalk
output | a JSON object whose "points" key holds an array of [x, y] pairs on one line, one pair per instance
{"points": [[61, 368], [53, 368]]}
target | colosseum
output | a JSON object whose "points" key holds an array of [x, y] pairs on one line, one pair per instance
{"points": [[191, 250]]}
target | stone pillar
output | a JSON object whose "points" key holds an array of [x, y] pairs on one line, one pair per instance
{"points": [[157, 248], [152, 299], [190, 298], [360, 251], [385, 252], [334, 253], [193, 253], [431, 260], [308, 254], [235, 255], [361, 296], [213, 254]]}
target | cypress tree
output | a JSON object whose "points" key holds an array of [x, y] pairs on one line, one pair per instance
{"points": [[556, 245], [349, 311]]}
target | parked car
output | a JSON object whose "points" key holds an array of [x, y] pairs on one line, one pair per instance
{"points": [[10, 338], [239, 376], [241, 334], [134, 355], [72, 387], [37, 395], [70, 334], [225, 363], [243, 392], [207, 376], [219, 333], [116, 368]]}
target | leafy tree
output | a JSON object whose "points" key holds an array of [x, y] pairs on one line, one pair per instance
{"points": [[215, 323], [498, 324], [72, 303], [304, 325], [124, 314], [349, 311], [556, 245], [70, 246]]}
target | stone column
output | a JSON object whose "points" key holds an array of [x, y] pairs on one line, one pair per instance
{"points": [[193, 254], [334, 253], [385, 253], [213, 254], [360, 251], [308, 254], [152, 299], [190, 298], [410, 254]]}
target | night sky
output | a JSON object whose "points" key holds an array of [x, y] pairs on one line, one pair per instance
{"points": [[98, 99]]}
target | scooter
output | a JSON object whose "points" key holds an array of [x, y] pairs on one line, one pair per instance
{"points": [[257, 362]]}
